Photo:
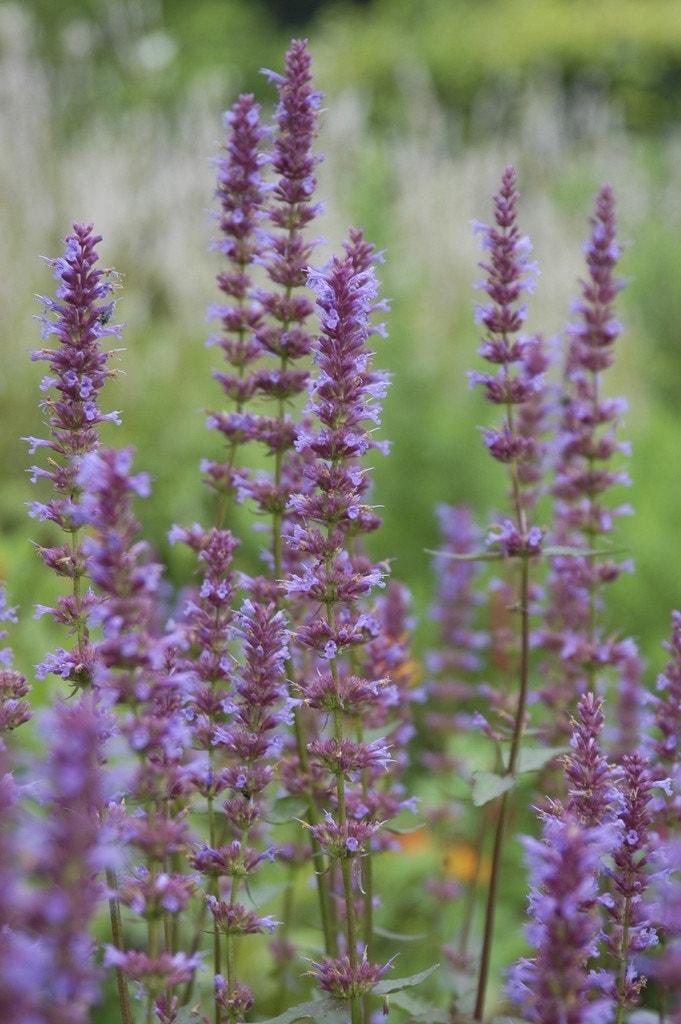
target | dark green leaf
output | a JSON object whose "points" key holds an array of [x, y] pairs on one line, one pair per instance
{"points": [[324, 1011], [386, 986]]}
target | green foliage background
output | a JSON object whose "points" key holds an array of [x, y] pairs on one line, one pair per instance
{"points": [[112, 113]]}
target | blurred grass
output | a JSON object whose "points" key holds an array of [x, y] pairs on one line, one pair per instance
{"points": [[142, 170]]}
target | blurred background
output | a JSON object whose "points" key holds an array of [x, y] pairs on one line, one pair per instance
{"points": [[111, 112]]}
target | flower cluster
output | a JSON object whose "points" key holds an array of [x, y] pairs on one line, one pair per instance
{"points": [[79, 317], [585, 445], [238, 746], [48, 969], [519, 362], [336, 581], [136, 671], [14, 687], [552, 987], [264, 336]]}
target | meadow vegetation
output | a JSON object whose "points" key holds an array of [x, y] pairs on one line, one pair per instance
{"points": [[413, 152]]}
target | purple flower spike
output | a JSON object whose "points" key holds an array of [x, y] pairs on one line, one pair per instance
{"points": [[294, 163], [69, 849], [553, 987], [666, 759], [629, 928], [14, 688], [592, 794], [519, 362], [585, 446], [241, 191], [115, 558], [344, 395], [264, 335], [509, 274], [78, 318]]}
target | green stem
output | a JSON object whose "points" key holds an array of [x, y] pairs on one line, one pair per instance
{"points": [[318, 861], [214, 890], [516, 743], [624, 963], [345, 863], [117, 939], [486, 954]]}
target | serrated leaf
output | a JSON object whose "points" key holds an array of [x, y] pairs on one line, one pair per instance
{"points": [[533, 758], [384, 988], [488, 786], [419, 1011], [323, 1011]]}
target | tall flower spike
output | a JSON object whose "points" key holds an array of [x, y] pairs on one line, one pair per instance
{"points": [[629, 929], [592, 797], [518, 381], [586, 444], [137, 670], [264, 336], [241, 191], [79, 317], [246, 749], [519, 376], [553, 987], [65, 852], [665, 752], [287, 254], [335, 580]]}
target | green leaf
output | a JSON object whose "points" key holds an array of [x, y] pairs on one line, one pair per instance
{"points": [[533, 758], [419, 1011], [473, 556], [323, 1011], [407, 830], [561, 549], [384, 988], [333, 1011], [488, 786], [287, 808], [396, 937]]}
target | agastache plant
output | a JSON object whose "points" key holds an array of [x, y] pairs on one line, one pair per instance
{"points": [[266, 343], [136, 672], [516, 379], [49, 971], [344, 402], [226, 739], [586, 443], [78, 318], [608, 810]]}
